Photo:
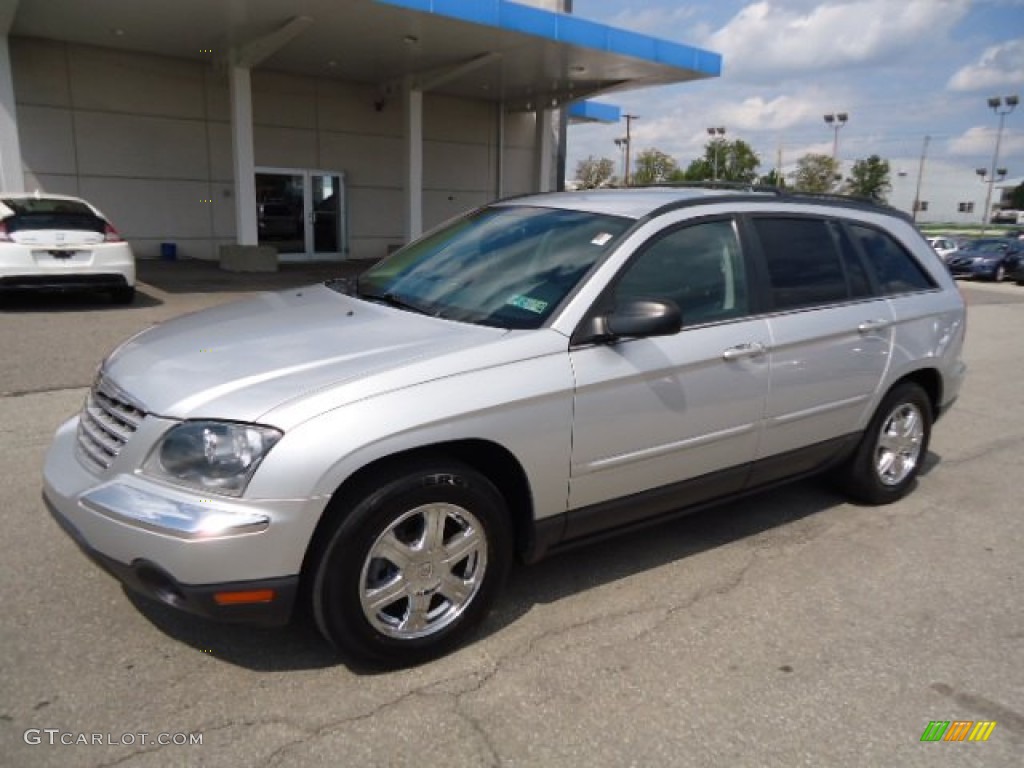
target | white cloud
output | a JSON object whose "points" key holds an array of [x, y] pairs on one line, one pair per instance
{"points": [[654, 20], [770, 38], [758, 114], [999, 66], [982, 141]]}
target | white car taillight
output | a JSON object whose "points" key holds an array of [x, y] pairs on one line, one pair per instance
{"points": [[5, 236], [110, 235]]}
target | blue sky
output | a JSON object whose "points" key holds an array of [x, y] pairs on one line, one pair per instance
{"points": [[901, 69]]}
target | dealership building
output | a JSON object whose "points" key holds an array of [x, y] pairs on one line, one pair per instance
{"points": [[304, 129]]}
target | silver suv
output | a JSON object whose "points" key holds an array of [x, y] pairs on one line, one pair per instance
{"points": [[533, 374]]}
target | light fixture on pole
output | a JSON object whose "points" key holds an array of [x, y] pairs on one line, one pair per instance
{"points": [[1002, 107], [835, 122], [716, 134], [629, 140]]}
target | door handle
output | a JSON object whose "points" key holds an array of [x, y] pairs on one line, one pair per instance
{"points": [[870, 326], [741, 351]]}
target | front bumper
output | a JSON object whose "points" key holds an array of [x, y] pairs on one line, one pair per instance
{"points": [[986, 271], [268, 602], [245, 569]]}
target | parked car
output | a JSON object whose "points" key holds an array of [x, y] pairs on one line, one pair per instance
{"points": [[533, 375], [1007, 216], [1016, 272], [989, 258], [944, 246], [55, 242]]}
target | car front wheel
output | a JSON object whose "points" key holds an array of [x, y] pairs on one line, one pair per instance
{"points": [[889, 456], [413, 564]]}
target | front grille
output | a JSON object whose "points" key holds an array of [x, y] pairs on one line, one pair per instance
{"points": [[106, 423]]}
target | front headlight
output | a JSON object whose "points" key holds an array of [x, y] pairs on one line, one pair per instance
{"points": [[215, 456]]}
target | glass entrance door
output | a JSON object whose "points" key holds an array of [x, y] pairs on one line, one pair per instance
{"points": [[302, 213]]}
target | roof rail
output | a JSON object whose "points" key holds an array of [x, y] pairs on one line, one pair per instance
{"points": [[735, 186], [742, 186]]}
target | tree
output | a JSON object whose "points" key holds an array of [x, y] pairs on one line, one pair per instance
{"points": [[653, 167], [1017, 198], [816, 173], [592, 173], [733, 160], [773, 179], [870, 178]]}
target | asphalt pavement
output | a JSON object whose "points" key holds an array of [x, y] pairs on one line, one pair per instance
{"points": [[790, 629]]}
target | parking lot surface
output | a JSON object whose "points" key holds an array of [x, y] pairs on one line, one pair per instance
{"points": [[793, 628]]}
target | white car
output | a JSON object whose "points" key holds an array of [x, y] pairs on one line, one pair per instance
{"points": [[944, 246], [56, 242]]}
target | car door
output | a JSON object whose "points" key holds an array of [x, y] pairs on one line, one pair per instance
{"points": [[680, 413], [831, 341]]}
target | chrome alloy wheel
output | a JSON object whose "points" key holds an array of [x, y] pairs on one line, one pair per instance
{"points": [[899, 444], [423, 571]]}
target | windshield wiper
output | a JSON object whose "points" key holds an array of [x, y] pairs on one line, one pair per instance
{"points": [[394, 300]]}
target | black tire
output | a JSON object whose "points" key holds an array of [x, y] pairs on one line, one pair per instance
{"points": [[888, 458], [434, 598], [123, 295]]}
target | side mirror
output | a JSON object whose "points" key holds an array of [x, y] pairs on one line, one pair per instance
{"points": [[636, 318]]}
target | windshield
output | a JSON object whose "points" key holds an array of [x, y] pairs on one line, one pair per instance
{"points": [[505, 266]]}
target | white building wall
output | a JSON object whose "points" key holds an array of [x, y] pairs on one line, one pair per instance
{"points": [[148, 140]]}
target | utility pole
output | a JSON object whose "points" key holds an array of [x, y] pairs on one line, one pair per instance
{"points": [[778, 165], [629, 141], [920, 175], [1001, 107]]}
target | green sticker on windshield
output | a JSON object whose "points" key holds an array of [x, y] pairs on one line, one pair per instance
{"points": [[530, 305]]}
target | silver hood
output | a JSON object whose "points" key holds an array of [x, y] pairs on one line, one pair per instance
{"points": [[241, 360]]}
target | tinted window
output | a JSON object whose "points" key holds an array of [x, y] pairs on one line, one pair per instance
{"points": [[699, 267], [805, 267], [856, 274], [50, 213], [895, 270]]}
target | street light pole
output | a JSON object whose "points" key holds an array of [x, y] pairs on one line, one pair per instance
{"points": [[920, 175], [1001, 107], [621, 144], [835, 122], [629, 140], [716, 135]]}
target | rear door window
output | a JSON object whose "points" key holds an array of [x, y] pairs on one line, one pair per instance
{"points": [[807, 263]]}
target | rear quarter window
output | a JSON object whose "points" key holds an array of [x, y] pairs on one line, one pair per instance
{"points": [[894, 268]]}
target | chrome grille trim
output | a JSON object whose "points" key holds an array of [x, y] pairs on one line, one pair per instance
{"points": [[106, 423]]}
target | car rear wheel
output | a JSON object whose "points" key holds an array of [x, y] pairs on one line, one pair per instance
{"points": [[889, 456], [413, 564], [1000, 274]]}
